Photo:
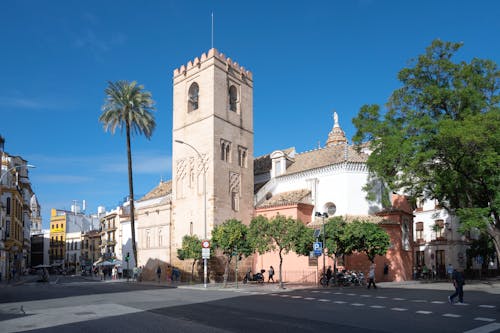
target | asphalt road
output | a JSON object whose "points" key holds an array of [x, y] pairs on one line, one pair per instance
{"points": [[76, 305]]}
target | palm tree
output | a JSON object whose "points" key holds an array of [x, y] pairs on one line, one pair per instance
{"points": [[128, 106]]}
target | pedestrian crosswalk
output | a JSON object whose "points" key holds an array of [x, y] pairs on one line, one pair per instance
{"points": [[360, 300]]}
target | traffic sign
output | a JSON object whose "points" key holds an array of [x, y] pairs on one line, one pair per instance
{"points": [[205, 253], [318, 248], [205, 244]]}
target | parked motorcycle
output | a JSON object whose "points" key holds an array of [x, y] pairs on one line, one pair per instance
{"points": [[257, 277]]}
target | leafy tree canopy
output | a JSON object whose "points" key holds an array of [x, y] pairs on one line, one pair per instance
{"points": [[231, 237], [365, 237], [281, 234], [439, 137]]}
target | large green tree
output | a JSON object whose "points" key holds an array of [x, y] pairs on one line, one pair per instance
{"points": [[128, 107], [190, 249], [438, 137], [281, 234], [365, 237], [231, 238], [334, 237]]}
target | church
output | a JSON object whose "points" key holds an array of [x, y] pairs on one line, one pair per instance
{"points": [[215, 176]]}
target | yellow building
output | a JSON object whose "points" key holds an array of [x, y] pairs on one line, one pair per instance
{"points": [[57, 236]]}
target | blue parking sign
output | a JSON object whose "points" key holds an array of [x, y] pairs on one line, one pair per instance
{"points": [[318, 248]]}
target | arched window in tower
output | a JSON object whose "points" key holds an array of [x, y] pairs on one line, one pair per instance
{"points": [[193, 97], [233, 98], [225, 150]]}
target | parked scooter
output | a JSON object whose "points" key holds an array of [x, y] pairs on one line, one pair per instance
{"points": [[257, 277]]}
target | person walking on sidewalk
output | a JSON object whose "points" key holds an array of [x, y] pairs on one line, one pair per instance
{"points": [[458, 283], [371, 277], [158, 273], [271, 274]]}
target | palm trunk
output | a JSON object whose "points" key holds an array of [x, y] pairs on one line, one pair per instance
{"points": [[131, 195]]}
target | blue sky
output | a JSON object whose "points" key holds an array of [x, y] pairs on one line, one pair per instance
{"points": [[308, 59]]}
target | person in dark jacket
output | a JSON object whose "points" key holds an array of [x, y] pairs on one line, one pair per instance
{"points": [[458, 283]]}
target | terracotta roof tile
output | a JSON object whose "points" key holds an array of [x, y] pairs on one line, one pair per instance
{"points": [[162, 189], [288, 198], [325, 156]]}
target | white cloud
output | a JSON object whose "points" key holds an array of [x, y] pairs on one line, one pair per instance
{"points": [[19, 102]]}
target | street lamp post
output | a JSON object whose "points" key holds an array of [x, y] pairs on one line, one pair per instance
{"points": [[323, 216], [204, 205]]}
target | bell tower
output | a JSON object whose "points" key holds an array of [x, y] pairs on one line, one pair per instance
{"points": [[212, 153]]}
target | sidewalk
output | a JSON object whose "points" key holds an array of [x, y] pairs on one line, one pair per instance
{"points": [[491, 285]]}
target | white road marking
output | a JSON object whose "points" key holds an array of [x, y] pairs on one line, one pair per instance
{"points": [[357, 304], [423, 312], [366, 295], [323, 300], [337, 293], [399, 309], [451, 315], [461, 304], [485, 329], [326, 292], [284, 295], [484, 319], [377, 306], [398, 299], [297, 297], [315, 291], [339, 302], [438, 302], [487, 306], [309, 298], [380, 296], [419, 300]]}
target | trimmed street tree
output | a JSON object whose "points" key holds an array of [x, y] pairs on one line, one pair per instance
{"points": [[439, 137], [365, 237], [334, 241], [128, 106], [191, 249], [231, 238], [281, 234]]}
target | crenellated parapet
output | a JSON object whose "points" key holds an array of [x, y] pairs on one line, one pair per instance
{"points": [[213, 53]]}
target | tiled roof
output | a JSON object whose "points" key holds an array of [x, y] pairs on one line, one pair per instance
{"points": [[325, 156], [288, 198], [318, 221], [162, 189]]}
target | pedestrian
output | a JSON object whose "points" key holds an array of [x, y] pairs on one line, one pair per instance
{"points": [[120, 272], [114, 273], [328, 275], [135, 271], [371, 277], [169, 273], [158, 273], [271, 274], [176, 274], [458, 283]]}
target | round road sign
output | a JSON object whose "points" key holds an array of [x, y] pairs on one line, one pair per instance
{"points": [[205, 244]]}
